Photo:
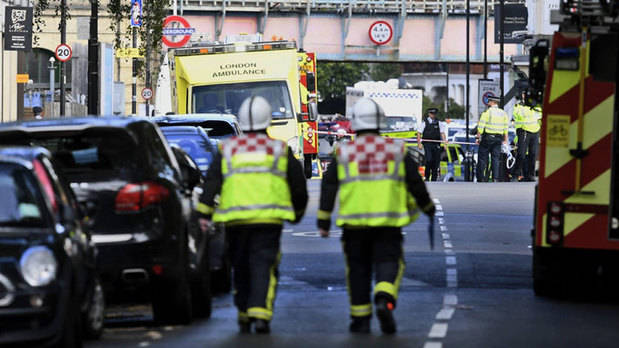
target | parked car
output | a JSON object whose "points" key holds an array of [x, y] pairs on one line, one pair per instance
{"points": [[194, 141], [218, 126], [148, 247], [49, 290]]}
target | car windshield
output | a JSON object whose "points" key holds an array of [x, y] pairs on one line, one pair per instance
{"points": [[94, 157], [228, 98], [197, 147], [21, 205], [399, 124]]}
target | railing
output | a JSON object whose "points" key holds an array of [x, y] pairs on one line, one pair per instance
{"points": [[368, 6]]}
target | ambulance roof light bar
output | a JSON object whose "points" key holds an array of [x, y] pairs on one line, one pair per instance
{"points": [[201, 48]]}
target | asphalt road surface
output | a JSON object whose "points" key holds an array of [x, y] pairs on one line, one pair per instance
{"points": [[473, 290]]}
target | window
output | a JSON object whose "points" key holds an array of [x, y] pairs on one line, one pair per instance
{"points": [[37, 66]]}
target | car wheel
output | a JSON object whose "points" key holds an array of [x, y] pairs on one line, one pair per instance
{"points": [[172, 302], [71, 333], [94, 314], [201, 291]]}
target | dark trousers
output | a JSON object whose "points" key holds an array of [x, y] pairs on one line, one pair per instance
{"points": [[254, 250], [521, 152], [432, 152], [531, 145], [378, 249], [490, 144]]}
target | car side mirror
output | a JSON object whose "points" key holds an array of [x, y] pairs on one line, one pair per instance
{"points": [[312, 108], [190, 173]]}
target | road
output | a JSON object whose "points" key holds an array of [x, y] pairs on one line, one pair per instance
{"points": [[472, 290]]}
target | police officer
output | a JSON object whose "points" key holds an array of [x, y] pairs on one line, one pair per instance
{"points": [[380, 192], [519, 114], [432, 130], [491, 134], [531, 127], [261, 185]]}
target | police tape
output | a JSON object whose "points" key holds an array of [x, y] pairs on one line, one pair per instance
{"points": [[409, 140]]}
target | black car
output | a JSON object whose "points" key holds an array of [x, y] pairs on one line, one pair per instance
{"points": [[149, 249], [49, 290]]}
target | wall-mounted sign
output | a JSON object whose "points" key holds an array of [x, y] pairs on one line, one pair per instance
{"points": [[136, 13], [514, 23], [380, 32], [18, 28], [170, 31]]}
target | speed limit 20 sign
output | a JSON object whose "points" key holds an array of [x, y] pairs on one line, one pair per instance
{"points": [[380, 32], [147, 93], [63, 52]]}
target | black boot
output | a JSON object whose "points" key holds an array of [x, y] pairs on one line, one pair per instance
{"points": [[261, 326], [360, 324], [244, 327], [384, 313]]}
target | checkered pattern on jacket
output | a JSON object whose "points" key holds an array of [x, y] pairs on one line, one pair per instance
{"points": [[371, 153]]}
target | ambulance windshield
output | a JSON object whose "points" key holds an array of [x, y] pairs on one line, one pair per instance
{"points": [[227, 98], [399, 124]]}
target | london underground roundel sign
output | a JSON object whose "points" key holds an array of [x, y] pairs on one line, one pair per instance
{"points": [[380, 32], [170, 31]]}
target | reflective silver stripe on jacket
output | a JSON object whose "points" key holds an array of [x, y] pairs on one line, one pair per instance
{"points": [[252, 170], [254, 207], [379, 215]]}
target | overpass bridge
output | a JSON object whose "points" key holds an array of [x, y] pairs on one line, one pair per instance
{"points": [[337, 30]]}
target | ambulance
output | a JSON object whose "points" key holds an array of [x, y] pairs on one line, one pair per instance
{"points": [[218, 77], [576, 216]]}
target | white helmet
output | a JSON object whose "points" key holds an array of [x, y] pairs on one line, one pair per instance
{"points": [[255, 114], [367, 115]]}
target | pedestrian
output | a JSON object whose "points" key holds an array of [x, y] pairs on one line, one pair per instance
{"points": [[531, 128], [37, 111], [518, 115], [380, 192], [261, 185], [433, 132], [491, 134]]}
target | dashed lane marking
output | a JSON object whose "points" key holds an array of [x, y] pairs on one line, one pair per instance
{"points": [[445, 314], [447, 244], [439, 213], [433, 345], [288, 230], [439, 207], [445, 235], [450, 300], [438, 330], [450, 260], [436, 201], [441, 221]]}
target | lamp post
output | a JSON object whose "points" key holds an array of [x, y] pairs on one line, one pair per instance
{"points": [[52, 83]]}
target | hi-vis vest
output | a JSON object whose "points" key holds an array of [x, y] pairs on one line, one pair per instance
{"points": [[373, 190], [493, 121], [531, 121], [519, 115], [255, 189]]}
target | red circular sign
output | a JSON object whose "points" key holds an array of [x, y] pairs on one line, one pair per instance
{"points": [[380, 32], [63, 52], [184, 24]]}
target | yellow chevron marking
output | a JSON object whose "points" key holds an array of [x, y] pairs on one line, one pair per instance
{"points": [[598, 123], [562, 81], [601, 187], [573, 220]]}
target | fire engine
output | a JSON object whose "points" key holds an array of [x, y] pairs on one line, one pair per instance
{"points": [[576, 217]]}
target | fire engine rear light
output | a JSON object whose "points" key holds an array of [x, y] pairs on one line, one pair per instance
{"points": [[555, 208], [135, 197], [554, 223], [554, 237]]}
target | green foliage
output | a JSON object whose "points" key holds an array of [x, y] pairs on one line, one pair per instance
{"points": [[333, 78], [385, 71], [455, 110], [38, 22]]}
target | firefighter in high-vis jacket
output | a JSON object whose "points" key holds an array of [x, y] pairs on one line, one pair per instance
{"points": [[380, 191], [531, 127], [261, 185], [518, 115]]}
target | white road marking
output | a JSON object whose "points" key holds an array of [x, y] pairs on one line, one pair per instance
{"points": [[445, 314], [144, 344], [452, 283], [439, 207], [447, 244], [433, 345], [441, 221], [450, 300], [450, 260], [439, 213], [445, 235], [443, 228], [436, 201], [438, 330], [288, 230], [452, 271], [448, 251]]}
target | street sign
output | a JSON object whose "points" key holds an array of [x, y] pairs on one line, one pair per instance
{"points": [[136, 13], [63, 52], [147, 93], [514, 23], [18, 28], [380, 32], [486, 89], [170, 31]]}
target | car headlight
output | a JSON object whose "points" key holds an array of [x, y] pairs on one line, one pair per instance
{"points": [[38, 266]]}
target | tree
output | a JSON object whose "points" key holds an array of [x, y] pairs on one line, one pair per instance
{"points": [[385, 71], [455, 110], [333, 78]]}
